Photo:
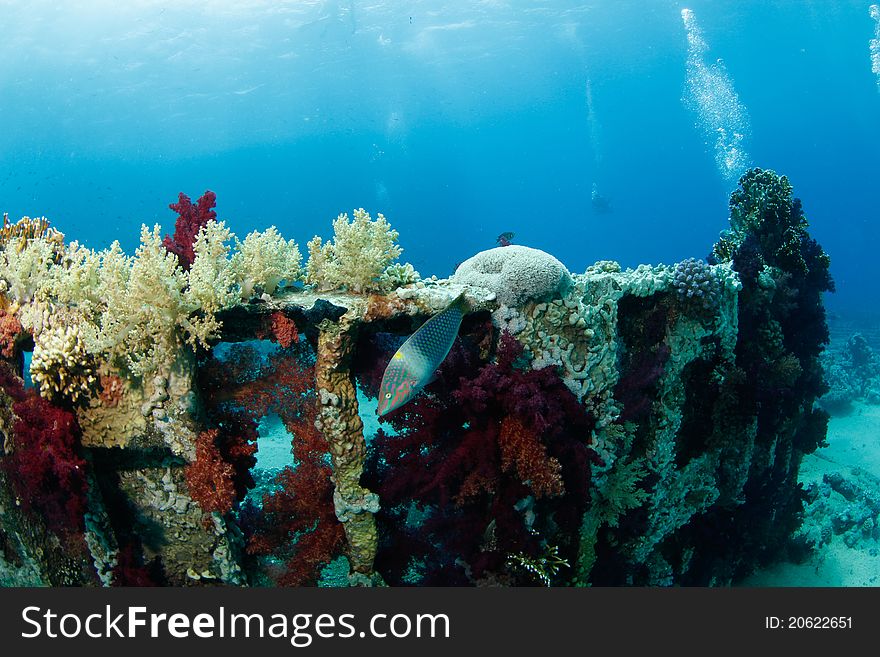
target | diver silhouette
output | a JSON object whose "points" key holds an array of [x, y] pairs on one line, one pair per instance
{"points": [[601, 204]]}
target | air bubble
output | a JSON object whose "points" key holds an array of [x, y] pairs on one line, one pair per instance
{"points": [[874, 44], [709, 93]]}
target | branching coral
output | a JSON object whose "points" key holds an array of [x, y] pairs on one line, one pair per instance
{"points": [[360, 253], [768, 225], [264, 260], [112, 390], [398, 275], [136, 312], [147, 320], [542, 568], [61, 367], [153, 308], [522, 452], [302, 508], [696, 284], [27, 271], [16, 236], [297, 522], [211, 283], [283, 330]]}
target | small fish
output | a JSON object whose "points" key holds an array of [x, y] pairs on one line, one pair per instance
{"points": [[505, 239], [414, 364]]}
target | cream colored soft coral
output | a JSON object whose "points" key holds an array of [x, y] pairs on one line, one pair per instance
{"points": [[212, 280], [27, 272], [263, 260], [361, 251], [75, 279], [149, 314], [135, 312]]}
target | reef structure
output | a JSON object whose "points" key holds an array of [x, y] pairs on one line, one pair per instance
{"points": [[632, 427]]}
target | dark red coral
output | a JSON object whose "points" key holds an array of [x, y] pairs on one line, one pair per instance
{"points": [[236, 442], [191, 219], [131, 571], [635, 389], [298, 524], [45, 468], [245, 380], [210, 477], [537, 397], [492, 454]]}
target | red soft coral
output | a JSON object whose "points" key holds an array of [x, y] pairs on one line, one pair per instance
{"points": [[283, 330], [191, 219], [298, 522], [522, 451], [236, 443], [111, 390], [10, 329], [129, 569], [210, 477], [45, 468]]}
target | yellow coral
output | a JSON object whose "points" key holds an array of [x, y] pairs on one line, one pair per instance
{"points": [[359, 254], [17, 236], [61, 366], [264, 260]]}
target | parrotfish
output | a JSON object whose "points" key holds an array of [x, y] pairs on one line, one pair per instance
{"points": [[414, 364]]}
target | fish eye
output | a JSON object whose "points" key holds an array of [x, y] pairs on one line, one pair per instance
{"points": [[388, 395]]}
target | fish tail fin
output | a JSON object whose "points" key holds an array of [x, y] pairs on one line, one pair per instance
{"points": [[461, 304]]}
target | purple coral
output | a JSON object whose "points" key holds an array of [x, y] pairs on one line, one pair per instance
{"points": [[695, 282]]}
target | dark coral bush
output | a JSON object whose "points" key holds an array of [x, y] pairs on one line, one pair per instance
{"points": [[45, 467], [486, 471]]}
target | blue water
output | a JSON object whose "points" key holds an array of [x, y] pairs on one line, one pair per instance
{"points": [[456, 120]]}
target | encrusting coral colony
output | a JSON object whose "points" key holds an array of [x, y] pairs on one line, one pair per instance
{"points": [[617, 427]]}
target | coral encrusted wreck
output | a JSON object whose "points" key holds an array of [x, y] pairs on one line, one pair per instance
{"points": [[616, 427]]}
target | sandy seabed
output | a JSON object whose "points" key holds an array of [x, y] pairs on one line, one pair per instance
{"points": [[853, 442]]}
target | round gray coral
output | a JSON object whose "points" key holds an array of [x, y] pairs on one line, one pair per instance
{"points": [[696, 283], [515, 274]]}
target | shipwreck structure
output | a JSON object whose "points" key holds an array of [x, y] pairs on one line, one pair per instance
{"points": [[615, 427]]}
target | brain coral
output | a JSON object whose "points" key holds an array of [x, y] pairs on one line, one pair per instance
{"points": [[515, 274]]}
